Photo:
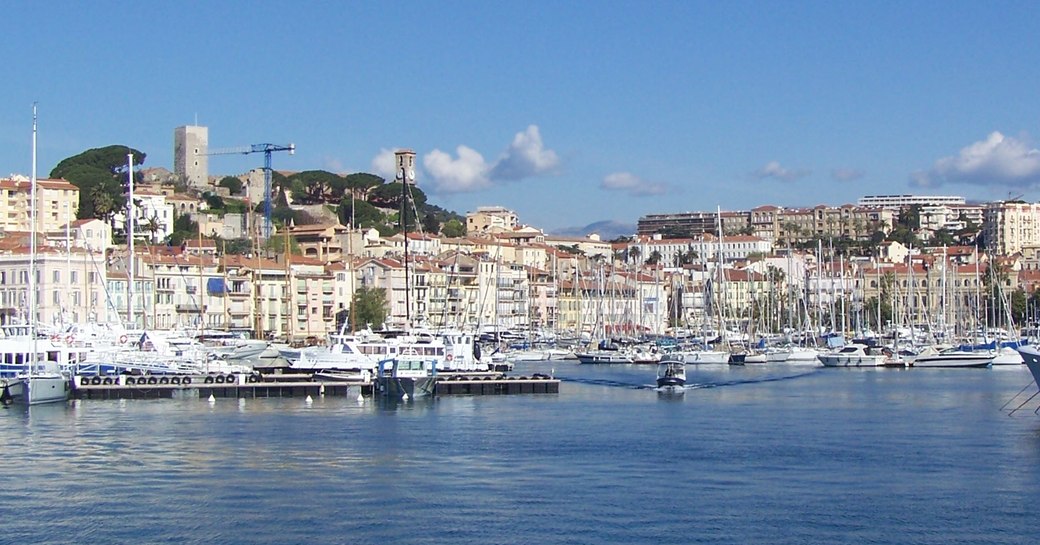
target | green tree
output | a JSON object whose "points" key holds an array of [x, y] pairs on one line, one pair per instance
{"points": [[942, 237], [430, 224], [213, 201], [361, 184], [369, 306], [183, 229], [364, 214], [153, 225], [233, 184], [111, 159], [316, 186], [453, 228], [654, 259]]}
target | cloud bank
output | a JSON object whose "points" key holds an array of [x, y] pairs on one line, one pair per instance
{"points": [[467, 170], [632, 184], [773, 170], [999, 159]]}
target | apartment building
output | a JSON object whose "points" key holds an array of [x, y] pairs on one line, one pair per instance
{"points": [[1008, 226], [70, 285], [491, 219], [57, 202]]}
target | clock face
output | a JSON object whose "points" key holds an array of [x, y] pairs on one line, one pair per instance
{"points": [[411, 174]]}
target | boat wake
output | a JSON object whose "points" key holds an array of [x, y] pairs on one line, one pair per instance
{"points": [[755, 380], [607, 382], [691, 383]]}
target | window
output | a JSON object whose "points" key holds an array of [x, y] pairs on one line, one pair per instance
{"points": [[56, 276]]}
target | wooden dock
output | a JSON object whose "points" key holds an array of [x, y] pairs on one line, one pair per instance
{"points": [[290, 385]]}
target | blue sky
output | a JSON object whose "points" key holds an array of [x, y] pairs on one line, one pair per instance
{"points": [[567, 112]]}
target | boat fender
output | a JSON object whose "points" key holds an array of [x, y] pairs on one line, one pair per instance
{"points": [[108, 381], [152, 380], [122, 339], [208, 380], [83, 381], [164, 380], [175, 380], [220, 379], [187, 380], [230, 379], [95, 381]]}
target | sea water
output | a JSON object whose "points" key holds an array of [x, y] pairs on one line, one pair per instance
{"points": [[755, 454]]}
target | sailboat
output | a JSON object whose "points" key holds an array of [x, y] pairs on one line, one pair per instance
{"points": [[41, 382]]}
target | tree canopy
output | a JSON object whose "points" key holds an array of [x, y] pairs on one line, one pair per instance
{"points": [[101, 176]]}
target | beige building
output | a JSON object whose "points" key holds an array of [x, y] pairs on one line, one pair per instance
{"points": [[71, 285], [777, 224], [491, 219], [1009, 226], [57, 203]]}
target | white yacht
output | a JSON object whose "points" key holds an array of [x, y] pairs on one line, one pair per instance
{"points": [[953, 358], [853, 355]]}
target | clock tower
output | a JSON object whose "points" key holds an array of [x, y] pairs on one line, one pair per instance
{"points": [[405, 161]]}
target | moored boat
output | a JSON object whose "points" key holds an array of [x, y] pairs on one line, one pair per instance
{"points": [[853, 355], [406, 377], [954, 358]]}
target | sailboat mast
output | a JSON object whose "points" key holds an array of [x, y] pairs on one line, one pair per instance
{"points": [[130, 320], [32, 250]]}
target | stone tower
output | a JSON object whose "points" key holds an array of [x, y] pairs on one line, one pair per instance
{"points": [[189, 155]]}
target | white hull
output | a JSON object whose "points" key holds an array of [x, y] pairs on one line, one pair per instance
{"points": [[836, 360], [1008, 356], [605, 356], [38, 389], [704, 356], [956, 360]]}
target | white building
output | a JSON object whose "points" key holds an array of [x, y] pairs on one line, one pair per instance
{"points": [[903, 201], [153, 217]]}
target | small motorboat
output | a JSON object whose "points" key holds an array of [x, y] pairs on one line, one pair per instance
{"points": [[671, 375]]}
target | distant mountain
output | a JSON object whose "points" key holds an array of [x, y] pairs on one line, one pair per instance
{"points": [[607, 230]]}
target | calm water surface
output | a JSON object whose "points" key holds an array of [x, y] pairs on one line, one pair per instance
{"points": [[762, 454]]}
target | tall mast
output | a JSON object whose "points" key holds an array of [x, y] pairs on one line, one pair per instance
{"points": [[32, 250], [405, 173], [130, 229]]}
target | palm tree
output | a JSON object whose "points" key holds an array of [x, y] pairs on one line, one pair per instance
{"points": [[153, 226], [634, 253]]}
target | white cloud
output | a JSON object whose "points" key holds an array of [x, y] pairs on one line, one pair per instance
{"points": [[846, 174], [773, 169], [469, 172], [385, 164], [632, 184], [998, 159], [526, 157]]}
